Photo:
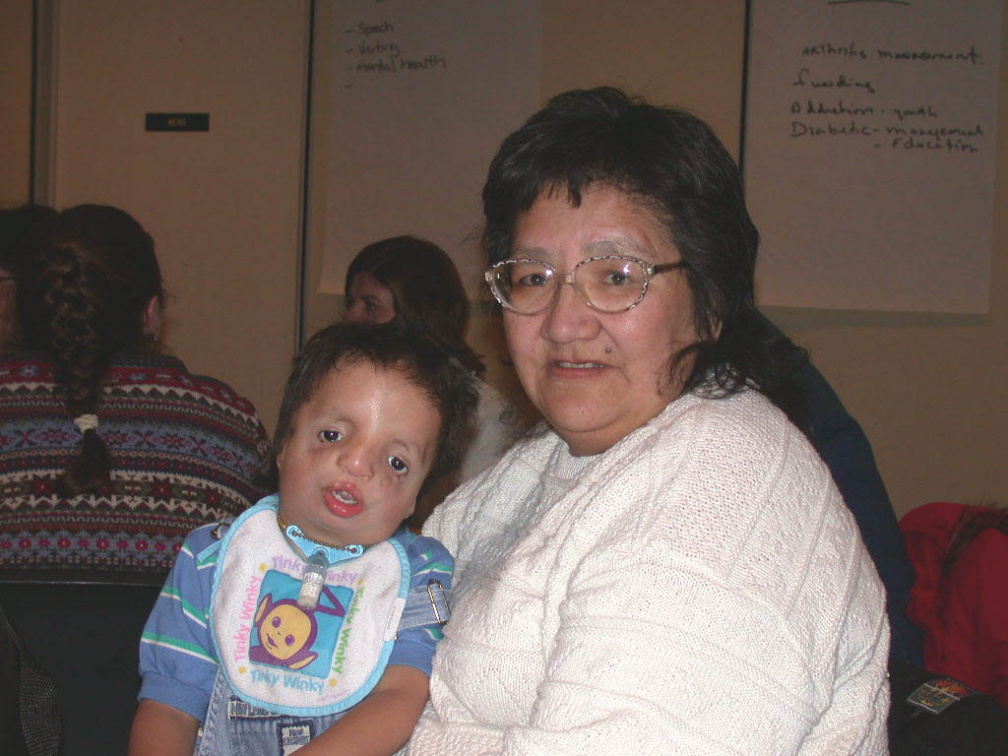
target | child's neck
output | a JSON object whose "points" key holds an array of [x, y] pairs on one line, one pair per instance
{"points": [[354, 548]]}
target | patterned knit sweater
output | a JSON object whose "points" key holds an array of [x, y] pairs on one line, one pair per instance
{"points": [[184, 448], [699, 588]]}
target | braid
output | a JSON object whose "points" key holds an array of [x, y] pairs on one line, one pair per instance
{"points": [[65, 321], [83, 296], [69, 315]]}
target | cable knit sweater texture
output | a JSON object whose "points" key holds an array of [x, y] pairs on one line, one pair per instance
{"points": [[699, 588]]}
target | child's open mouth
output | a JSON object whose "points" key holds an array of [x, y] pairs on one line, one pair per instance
{"points": [[342, 503]]}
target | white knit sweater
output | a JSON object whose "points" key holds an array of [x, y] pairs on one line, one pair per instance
{"points": [[496, 430], [699, 588]]}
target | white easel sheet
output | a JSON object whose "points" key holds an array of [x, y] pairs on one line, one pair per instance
{"points": [[869, 157], [421, 95]]}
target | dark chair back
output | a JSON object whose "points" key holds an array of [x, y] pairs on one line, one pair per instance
{"points": [[85, 635], [933, 715]]}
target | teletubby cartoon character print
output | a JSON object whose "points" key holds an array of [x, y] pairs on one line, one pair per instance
{"points": [[277, 654]]}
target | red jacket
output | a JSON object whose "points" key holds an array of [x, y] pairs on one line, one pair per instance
{"points": [[965, 613]]}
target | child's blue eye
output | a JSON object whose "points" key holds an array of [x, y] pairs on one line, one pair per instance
{"points": [[398, 465], [330, 435]]}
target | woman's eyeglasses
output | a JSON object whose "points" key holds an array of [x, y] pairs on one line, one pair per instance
{"points": [[610, 283]]}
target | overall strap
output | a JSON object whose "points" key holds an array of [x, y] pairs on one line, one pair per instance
{"points": [[426, 605]]}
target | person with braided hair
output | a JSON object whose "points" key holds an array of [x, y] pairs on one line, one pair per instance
{"points": [[110, 450]]}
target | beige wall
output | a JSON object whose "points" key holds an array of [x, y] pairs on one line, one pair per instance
{"points": [[928, 389]]}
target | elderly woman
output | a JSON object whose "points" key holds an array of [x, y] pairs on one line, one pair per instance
{"points": [[667, 567]]}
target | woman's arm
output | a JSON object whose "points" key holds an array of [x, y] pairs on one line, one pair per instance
{"points": [[688, 666], [381, 723], [161, 730]]}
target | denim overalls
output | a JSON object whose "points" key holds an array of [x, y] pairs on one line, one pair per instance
{"points": [[272, 717], [235, 728]]}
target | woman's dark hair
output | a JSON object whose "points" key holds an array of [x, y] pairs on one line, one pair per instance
{"points": [[426, 290], [18, 227], [82, 295], [973, 521], [673, 165], [389, 346]]}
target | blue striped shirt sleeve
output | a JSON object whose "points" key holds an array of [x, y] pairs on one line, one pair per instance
{"points": [[177, 660], [429, 559]]}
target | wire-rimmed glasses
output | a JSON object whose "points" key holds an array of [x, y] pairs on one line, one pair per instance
{"points": [[608, 283]]}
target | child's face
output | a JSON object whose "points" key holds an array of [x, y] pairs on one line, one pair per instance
{"points": [[358, 451]]}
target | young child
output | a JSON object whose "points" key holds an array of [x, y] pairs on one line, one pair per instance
{"points": [[310, 622]]}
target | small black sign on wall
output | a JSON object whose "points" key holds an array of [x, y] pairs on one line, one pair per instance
{"points": [[178, 122]]}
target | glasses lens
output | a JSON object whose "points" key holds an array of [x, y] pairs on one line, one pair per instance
{"points": [[611, 284], [524, 286]]}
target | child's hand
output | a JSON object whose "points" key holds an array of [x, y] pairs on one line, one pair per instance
{"points": [[380, 724], [161, 730]]}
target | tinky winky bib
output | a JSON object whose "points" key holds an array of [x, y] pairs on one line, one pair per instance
{"points": [[280, 656]]}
